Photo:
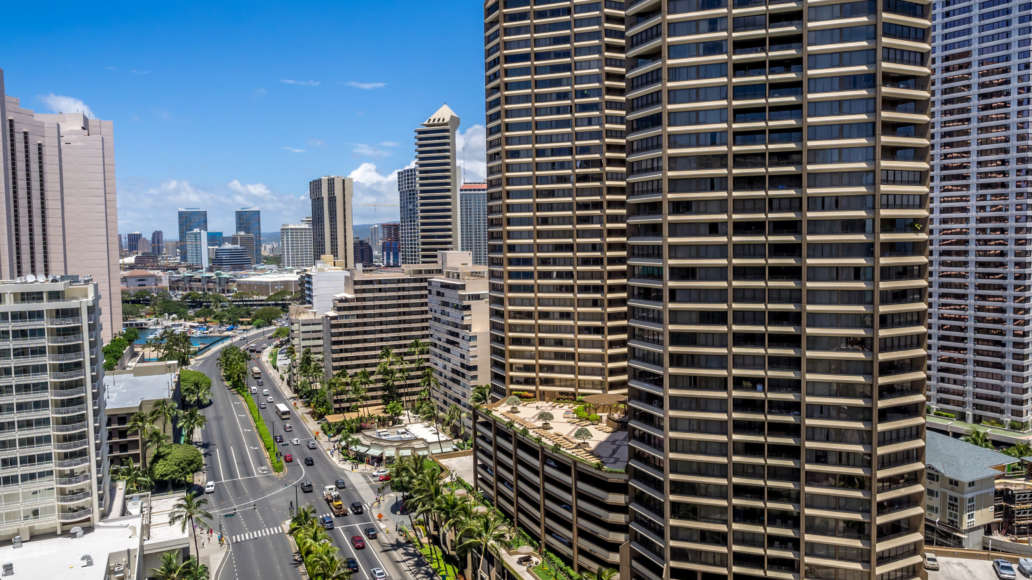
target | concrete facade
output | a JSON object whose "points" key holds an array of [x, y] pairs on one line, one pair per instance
{"points": [[437, 176], [296, 248], [408, 198], [473, 220], [332, 226], [249, 221]]}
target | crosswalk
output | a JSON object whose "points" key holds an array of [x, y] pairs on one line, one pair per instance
{"points": [[256, 534]]}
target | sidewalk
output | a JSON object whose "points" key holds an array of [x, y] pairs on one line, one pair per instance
{"points": [[212, 554]]}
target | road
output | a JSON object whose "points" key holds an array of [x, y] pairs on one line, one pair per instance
{"points": [[250, 503]]}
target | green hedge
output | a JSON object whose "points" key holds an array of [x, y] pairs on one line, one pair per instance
{"points": [[263, 430]]}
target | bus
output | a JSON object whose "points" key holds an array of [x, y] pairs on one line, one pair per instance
{"points": [[256, 372], [283, 411]]}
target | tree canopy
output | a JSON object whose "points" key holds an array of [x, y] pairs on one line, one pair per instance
{"points": [[177, 463]]}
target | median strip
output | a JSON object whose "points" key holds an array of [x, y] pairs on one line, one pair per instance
{"points": [[233, 363]]}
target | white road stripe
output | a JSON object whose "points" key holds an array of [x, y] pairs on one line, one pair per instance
{"points": [[254, 535]]}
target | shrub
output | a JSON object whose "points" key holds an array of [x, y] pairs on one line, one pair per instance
{"points": [[945, 414], [177, 463], [1017, 425], [114, 350], [263, 430], [594, 418]]}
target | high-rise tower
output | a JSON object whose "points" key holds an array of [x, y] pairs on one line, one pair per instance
{"points": [[437, 178], [777, 241], [249, 221], [332, 228], [190, 219], [408, 198]]}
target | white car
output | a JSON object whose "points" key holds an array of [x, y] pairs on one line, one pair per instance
{"points": [[377, 574], [268, 399], [296, 441], [380, 472], [1025, 567], [209, 487]]}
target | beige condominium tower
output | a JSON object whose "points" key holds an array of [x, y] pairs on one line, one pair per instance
{"points": [[332, 228], [437, 182], [777, 168], [556, 193]]}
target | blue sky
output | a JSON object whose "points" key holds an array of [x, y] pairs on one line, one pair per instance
{"points": [[221, 105]]}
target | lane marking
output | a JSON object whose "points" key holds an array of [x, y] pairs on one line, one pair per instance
{"points": [[232, 452], [354, 552]]}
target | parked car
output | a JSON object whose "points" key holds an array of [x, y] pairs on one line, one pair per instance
{"points": [[341, 483], [309, 461], [370, 533], [288, 458], [1004, 569], [378, 574], [306, 486], [931, 562], [327, 521], [358, 543], [356, 507], [1024, 566], [209, 487], [312, 444], [351, 565]]}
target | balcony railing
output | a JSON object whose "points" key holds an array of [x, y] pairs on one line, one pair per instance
{"points": [[74, 480], [69, 410], [75, 516], [74, 497], [70, 427], [68, 339]]}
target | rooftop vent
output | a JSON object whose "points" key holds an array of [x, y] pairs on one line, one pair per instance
{"points": [[76, 531], [87, 560]]}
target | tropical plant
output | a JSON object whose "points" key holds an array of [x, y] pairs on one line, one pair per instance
{"points": [[189, 510], [1020, 450], [583, 434], [173, 569], [979, 438], [166, 411], [390, 374], [195, 387], [141, 424], [190, 420], [480, 396], [453, 418], [304, 517], [394, 409], [605, 573], [479, 534], [177, 463], [135, 478], [175, 346]]}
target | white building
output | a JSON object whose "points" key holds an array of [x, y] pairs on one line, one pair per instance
{"points": [[195, 249], [51, 407], [321, 283], [296, 245], [59, 214], [408, 199], [459, 333]]}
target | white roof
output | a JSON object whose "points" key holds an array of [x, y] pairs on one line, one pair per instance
{"points": [[61, 556], [442, 115]]}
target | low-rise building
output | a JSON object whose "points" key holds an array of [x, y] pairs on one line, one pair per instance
{"points": [[561, 479], [321, 283], [232, 257], [960, 490], [459, 333], [137, 280], [136, 390], [306, 331], [267, 284]]}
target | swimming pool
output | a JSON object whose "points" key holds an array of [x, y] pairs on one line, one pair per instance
{"points": [[199, 342]]}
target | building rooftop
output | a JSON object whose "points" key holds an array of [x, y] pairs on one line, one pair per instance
{"points": [[64, 556], [125, 391], [271, 277], [605, 444], [961, 460]]}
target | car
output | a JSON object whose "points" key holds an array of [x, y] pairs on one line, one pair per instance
{"points": [[309, 461], [262, 405], [288, 458], [356, 507], [312, 444], [327, 521], [370, 533], [384, 477], [380, 472], [1004, 569], [306, 486], [341, 483], [288, 427], [931, 562], [295, 441], [357, 542], [268, 399], [351, 565], [265, 392], [377, 574], [277, 438], [209, 487], [1024, 566]]}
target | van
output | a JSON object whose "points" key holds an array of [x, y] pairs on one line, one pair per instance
{"points": [[254, 390], [265, 392]]}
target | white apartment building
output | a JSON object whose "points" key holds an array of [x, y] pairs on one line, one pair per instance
{"points": [[296, 245], [459, 333], [979, 296], [53, 166], [53, 444], [321, 283], [195, 249]]}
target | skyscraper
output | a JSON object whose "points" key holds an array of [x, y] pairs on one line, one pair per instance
{"points": [[556, 194], [214, 239], [437, 177], [245, 240], [776, 209], [133, 242], [249, 221], [296, 245], [473, 221], [332, 227], [375, 239], [363, 252], [232, 257], [408, 198], [191, 219], [157, 242], [59, 214], [390, 231], [981, 157], [194, 249]]}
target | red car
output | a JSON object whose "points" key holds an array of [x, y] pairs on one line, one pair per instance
{"points": [[357, 542], [384, 478], [288, 458]]}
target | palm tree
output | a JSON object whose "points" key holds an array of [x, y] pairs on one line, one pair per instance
{"points": [[360, 388], [454, 418], [141, 424], [605, 573], [195, 570], [171, 568], [190, 511], [480, 534], [303, 518], [165, 410], [136, 479], [978, 437], [481, 395], [156, 439], [192, 419], [1020, 450], [454, 512]]}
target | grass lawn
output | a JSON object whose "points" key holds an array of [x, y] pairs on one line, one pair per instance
{"points": [[436, 558]]}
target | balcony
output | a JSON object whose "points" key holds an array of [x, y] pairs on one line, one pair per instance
{"points": [[64, 321], [63, 393], [75, 516], [74, 409], [73, 497], [65, 375], [66, 356], [73, 480], [71, 445], [69, 428], [72, 463], [66, 339]]}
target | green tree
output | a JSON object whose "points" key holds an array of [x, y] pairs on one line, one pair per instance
{"points": [[172, 568], [978, 437], [190, 511], [281, 332], [304, 517], [391, 374], [605, 573], [1020, 450], [480, 533], [360, 388], [453, 418], [394, 409], [195, 387], [480, 396], [166, 411], [141, 424], [135, 478], [177, 463], [267, 315], [190, 420], [175, 346], [131, 335]]}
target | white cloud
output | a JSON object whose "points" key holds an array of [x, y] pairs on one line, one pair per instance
{"points": [[471, 150], [369, 151], [376, 195], [63, 104], [388, 144], [292, 149], [250, 191], [300, 83], [316, 142], [366, 86]]}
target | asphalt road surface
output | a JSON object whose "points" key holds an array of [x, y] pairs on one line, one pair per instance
{"points": [[250, 503]]}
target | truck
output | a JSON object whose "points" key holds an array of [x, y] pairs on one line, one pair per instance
{"points": [[332, 497]]}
